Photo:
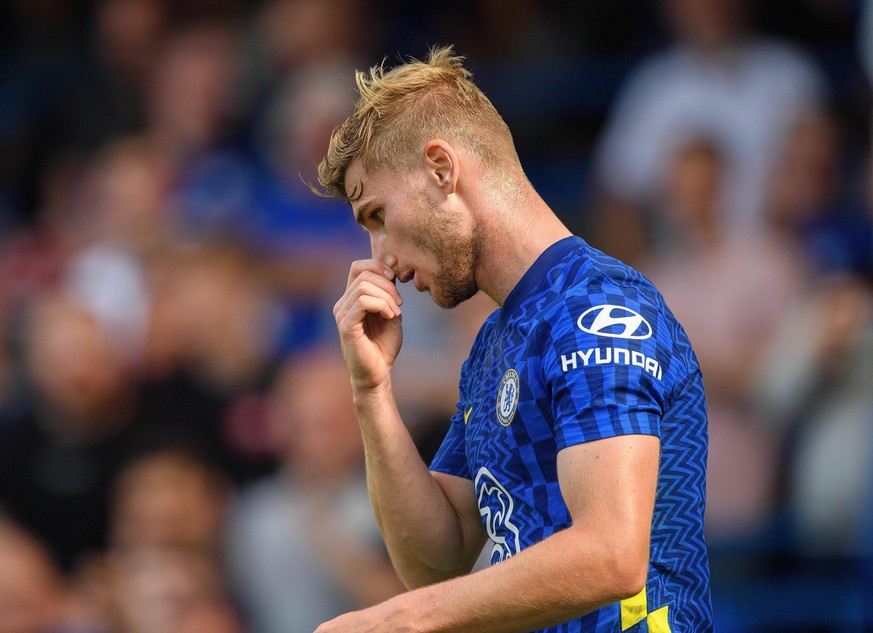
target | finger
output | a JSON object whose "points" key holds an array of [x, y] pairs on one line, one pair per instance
{"points": [[364, 306], [380, 281], [364, 287], [373, 265]]}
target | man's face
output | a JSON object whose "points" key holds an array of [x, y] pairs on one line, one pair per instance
{"points": [[416, 232]]}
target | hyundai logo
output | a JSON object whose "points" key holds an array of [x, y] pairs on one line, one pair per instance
{"points": [[614, 322]]}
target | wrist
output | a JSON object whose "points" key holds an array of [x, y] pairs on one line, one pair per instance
{"points": [[407, 612], [365, 396]]}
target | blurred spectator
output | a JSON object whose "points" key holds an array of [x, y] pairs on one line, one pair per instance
{"points": [[107, 100], [167, 590], [193, 108], [303, 546], [59, 457], [118, 221], [193, 99], [292, 140], [814, 388], [810, 198], [811, 385], [758, 277], [162, 568], [718, 81], [217, 310], [33, 595], [39, 42], [168, 498], [264, 203], [109, 282], [163, 573], [294, 34], [212, 335], [125, 199]]}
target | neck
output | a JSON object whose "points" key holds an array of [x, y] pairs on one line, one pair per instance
{"points": [[512, 237]]}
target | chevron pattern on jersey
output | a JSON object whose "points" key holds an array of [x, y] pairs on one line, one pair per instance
{"points": [[629, 370]]}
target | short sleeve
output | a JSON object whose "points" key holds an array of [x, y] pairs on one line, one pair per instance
{"points": [[605, 370], [451, 458]]}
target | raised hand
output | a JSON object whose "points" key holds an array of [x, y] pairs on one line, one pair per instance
{"points": [[368, 318]]}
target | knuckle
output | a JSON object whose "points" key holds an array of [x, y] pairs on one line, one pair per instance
{"points": [[345, 325], [361, 303], [361, 265], [371, 277]]}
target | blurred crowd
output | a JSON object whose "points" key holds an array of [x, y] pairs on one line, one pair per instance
{"points": [[178, 448]]}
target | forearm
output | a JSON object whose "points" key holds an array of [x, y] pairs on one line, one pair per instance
{"points": [[561, 578], [421, 529], [603, 557]]}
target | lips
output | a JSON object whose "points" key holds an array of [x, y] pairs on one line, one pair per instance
{"points": [[405, 276]]}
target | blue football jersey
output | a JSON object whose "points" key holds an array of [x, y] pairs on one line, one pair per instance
{"points": [[585, 348]]}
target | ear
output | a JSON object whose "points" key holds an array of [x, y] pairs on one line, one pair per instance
{"points": [[442, 164]]}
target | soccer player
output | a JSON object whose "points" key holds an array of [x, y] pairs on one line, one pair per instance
{"points": [[578, 450]]}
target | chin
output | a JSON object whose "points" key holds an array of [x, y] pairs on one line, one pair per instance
{"points": [[453, 297]]}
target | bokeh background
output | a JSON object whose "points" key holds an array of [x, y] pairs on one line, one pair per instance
{"points": [[178, 452]]}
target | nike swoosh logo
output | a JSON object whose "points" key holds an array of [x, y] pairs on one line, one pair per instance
{"points": [[467, 415]]}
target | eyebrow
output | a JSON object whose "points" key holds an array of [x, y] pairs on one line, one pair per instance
{"points": [[356, 194]]}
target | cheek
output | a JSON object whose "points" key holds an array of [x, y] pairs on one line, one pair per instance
{"points": [[398, 239]]}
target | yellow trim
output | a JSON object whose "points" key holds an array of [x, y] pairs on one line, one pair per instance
{"points": [[658, 621], [633, 610]]}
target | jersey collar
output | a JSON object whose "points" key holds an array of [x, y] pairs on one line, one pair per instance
{"points": [[536, 276]]}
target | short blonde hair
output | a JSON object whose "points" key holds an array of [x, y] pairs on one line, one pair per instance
{"points": [[402, 109]]}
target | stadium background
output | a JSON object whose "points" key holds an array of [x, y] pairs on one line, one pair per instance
{"points": [[177, 453]]}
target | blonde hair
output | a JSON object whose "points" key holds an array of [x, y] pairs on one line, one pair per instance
{"points": [[400, 110]]}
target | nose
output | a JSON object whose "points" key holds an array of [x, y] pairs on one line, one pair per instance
{"points": [[380, 250]]}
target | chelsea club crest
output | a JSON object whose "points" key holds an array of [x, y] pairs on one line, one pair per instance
{"points": [[507, 397]]}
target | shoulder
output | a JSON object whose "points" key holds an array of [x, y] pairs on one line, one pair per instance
{"points": [[607, 304], [595, 279]]}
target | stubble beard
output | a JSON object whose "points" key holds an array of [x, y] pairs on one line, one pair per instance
{"points": [[455, 281], [456, 254]]}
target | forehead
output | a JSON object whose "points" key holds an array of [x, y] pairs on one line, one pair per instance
{"points": [[362, 185]]}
